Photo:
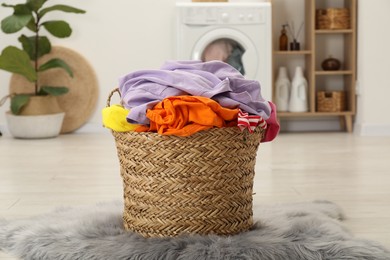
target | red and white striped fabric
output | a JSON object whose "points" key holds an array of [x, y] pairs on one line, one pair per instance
{"points": [[250, 121]]}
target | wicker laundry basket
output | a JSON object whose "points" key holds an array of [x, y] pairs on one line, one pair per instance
{"points": [[198, 184]]}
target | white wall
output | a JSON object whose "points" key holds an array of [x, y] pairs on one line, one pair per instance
{"points": [[115, 37], [373, 68], [123, 36]]}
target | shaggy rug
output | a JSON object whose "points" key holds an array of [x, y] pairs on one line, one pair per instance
{"points": [[290, 231]]}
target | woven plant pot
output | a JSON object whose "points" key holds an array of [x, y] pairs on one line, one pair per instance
{"points": [[198, 184]]}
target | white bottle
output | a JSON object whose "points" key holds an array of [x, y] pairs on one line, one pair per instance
{"points": [[298, 97], [282, 90]]}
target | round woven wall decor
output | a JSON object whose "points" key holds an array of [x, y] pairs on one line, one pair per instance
{"points": [[80, 102]]}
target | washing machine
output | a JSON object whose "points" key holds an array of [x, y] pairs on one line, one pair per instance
{"points": [[245, 27]]}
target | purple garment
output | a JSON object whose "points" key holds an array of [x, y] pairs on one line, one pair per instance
{"points": [[142, 90]]}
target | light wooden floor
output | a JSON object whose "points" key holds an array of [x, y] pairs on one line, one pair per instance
{"points": [[82, 169]]}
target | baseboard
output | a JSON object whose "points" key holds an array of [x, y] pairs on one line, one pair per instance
{"points": [[86, 128], [310, 125], [372, 129], [359, 129], [92, 128]]}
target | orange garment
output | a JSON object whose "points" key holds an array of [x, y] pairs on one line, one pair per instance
{"points": [[186, 115]]}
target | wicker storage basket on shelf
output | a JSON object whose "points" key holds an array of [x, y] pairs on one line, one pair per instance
{"points": [[333, 101], [198, 184], [332, 19]]}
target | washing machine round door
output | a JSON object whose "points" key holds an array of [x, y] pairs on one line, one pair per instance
{"points": [[249, 56]]}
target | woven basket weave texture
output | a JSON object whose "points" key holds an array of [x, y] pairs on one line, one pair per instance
{"points": [[333, 19], [331, 101], [198, 184]]}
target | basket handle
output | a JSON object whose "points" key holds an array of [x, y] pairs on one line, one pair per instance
{"points": [[111, 94]]}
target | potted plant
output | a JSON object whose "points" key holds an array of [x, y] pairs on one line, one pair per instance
{"points": [[25, 61]]}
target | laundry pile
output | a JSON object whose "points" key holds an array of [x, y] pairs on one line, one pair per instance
{"points": [[185, 97]]}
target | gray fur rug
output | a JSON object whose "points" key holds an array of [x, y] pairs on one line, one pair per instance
{"points": [[290, 231]]}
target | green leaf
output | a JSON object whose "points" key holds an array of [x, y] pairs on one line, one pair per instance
{"points": [[28, 43], [7, 5], [17, 61], [54, 91], [19, 8], [60, 29], [20, 18], [35, 5], [18, 102], [63, 8], [31, 25], [15, 22], [56, 63]]}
